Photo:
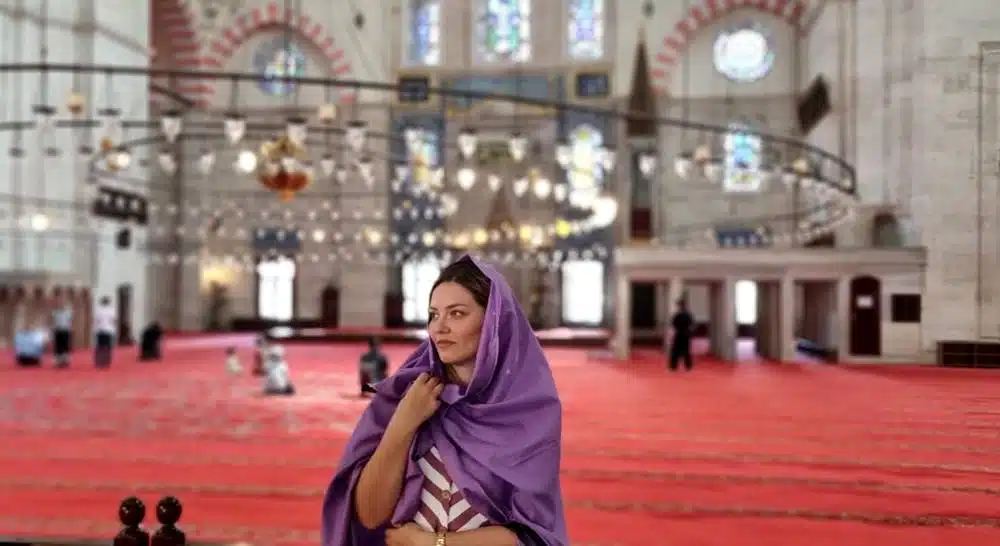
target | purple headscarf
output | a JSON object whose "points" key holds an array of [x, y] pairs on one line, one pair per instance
{"points": [[499, 437]]}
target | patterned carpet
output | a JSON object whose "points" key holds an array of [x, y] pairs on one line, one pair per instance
{"points": [[729, 454]]}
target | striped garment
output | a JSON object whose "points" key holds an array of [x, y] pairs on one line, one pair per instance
{"points": [[442, 505]]}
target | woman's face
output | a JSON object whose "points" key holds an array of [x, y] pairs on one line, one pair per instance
{"points": [[455, 322]]}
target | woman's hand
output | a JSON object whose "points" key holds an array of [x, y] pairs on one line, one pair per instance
{"points": [[409, 535], [419, 402]]}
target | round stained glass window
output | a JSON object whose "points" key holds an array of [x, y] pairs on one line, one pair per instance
{"points": [[276, 61], [743, 54]]}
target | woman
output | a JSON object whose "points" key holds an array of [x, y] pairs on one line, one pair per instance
{"points": [[461, 445]]}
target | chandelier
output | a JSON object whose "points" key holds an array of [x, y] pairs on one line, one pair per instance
{"points": [[330, 147]]}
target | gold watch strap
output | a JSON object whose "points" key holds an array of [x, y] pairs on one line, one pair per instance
{"points": [[440, 539]]}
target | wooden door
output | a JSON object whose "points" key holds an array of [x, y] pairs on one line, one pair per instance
{"points": [[643, 305], [125, 314], [330, 311], [866, 316]]}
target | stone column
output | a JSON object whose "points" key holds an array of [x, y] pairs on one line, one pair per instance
{"points": [[843, 330], [786, 322], [621, 342], [723, 321]]}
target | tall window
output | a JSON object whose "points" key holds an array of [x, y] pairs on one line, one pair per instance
{"points": [[585, 171], [418, 279], [586, 29], [276, 61], [746, 302], [504, 30], [276, 289], [425, 33], [583, 293], [743, 160]]}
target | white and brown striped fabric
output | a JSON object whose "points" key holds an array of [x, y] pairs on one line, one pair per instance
{"points": [[442, 505]]}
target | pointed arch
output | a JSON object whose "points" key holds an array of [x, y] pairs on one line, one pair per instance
{"points": [[704, 13], [218, 49], [173, 39]]}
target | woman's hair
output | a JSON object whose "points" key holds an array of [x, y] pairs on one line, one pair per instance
{"points": [[466, 274]]}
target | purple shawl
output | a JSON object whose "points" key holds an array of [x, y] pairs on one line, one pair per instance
{"points": [[499, 437]]}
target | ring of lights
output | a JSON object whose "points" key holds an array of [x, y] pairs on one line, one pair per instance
{"points": [[327, 148]]}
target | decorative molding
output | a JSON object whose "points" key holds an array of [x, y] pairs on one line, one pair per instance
{"points": [[173, 38], [705, 13], [219, 49]]}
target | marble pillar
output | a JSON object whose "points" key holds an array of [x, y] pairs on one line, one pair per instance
{"points": [[621, 341], [786, 321], [722, 329]]}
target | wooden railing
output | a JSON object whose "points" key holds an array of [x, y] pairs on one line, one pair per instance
{"points": [[131, 514]]}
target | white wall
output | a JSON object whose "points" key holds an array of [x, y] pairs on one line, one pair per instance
{"points": [[73, 247]]}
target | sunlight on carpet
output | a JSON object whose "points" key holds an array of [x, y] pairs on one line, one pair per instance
{"points": [[728, 454]]}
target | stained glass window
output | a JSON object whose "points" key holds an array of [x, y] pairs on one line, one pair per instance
{"points": [[743, 54], [505, 30], [425, 33], [586, 29], [276, 289], [277, 60], [418, 280], [585, 172], [743, 160]]}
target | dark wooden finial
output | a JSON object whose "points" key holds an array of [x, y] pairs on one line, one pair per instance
{"points": [[168, 513], [131, 513]]}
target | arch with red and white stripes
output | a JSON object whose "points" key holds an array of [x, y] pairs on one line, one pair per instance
{"points": [[704, 13], [172, 37], [217, 50]]}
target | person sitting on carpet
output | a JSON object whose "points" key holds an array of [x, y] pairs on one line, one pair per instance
{"points": [[260, 354], [374, 366], [29, 346], [233, 365], [276, 380], [490, 456], [149, 342]]}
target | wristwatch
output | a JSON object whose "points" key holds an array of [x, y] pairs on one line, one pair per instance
{"points": [[439, 539]]}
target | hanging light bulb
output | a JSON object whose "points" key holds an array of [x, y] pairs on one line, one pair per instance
{"points": [[518, 147], [297, 130], [111, 128], [246, 161], [171, 125], [340, 174], [206, 162], [605, 211], [121, 158], [167, 162], [683, 165], [402, 172], [542, 187], [493, 182], [357, 132], [467, 142], [520, 186], [647, 164], [327, 164], [76, 103], [366, 168], [466, 178], [327, 113], [559, 193], [413, 138], [564, 154], [235, 127]]}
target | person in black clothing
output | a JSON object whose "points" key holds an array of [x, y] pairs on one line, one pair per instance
{"points": [[374, 366], [149, 342], [682, 325]]}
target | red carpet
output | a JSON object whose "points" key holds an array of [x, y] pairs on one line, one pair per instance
{"points": [[739, 454]]}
